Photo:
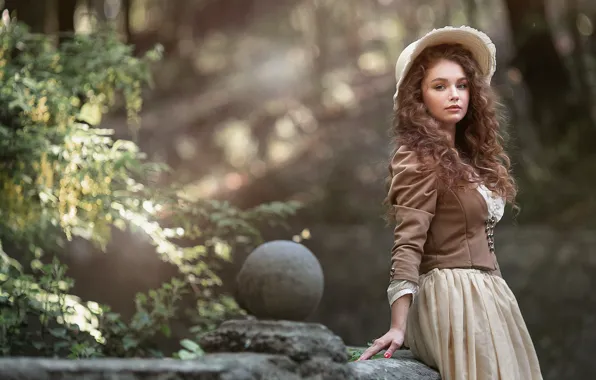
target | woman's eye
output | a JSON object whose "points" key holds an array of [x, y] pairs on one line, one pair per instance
{"points": [[463, 86], [439, 87]]}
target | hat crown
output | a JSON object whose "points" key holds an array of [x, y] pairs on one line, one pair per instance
{"points": [[477, 42]]}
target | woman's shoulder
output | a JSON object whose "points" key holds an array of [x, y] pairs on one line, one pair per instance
{"points": [[408, 160], [413, 182]]}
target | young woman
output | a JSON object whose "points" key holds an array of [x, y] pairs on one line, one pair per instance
{"points": [[448, 185]]}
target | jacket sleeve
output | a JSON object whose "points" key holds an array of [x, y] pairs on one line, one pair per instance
{"points": [[413, 194], [399, 288]]}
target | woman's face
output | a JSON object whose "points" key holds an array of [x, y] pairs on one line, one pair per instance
{"points": [[445, 92]]}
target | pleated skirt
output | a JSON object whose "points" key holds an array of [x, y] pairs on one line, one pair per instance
{"points": [[467, 324]]}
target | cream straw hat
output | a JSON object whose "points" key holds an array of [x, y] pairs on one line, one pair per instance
{"points": [[478, 43]]}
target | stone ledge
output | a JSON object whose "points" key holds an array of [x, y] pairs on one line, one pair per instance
{"points": [[237, 350], [300, 341], [401, 366], [243, 366], [225, 366]]}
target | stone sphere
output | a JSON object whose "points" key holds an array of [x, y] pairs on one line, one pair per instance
{"points": [[280, 280]]}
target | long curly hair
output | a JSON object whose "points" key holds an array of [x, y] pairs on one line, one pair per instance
{"points": [[478, 156]]}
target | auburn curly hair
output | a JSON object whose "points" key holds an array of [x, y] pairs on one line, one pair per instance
{"points": [[478, 155]]}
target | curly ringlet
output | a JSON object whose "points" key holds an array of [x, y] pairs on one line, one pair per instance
{"points": [[478, 139]]}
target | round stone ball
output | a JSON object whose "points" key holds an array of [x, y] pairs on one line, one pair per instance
{"points": [[280, 280]]}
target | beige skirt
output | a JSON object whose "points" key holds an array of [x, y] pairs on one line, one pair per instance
{"points": [[467, 324]]}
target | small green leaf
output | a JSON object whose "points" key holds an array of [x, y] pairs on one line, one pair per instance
{"points": [[58, 332], [129, 342], [90, 114], [165, 329], [190, 345], [29, 83], [62, 344], [186, 355]]}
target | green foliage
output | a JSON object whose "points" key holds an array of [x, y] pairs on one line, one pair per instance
{"points": [[62, 176], [37, 315], [154, 311], [355, 352], [58, 172], [191, 350]]}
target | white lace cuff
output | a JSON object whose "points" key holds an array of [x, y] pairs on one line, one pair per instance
{"points": [[399, 288]]}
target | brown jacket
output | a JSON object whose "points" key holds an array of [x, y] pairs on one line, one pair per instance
{"points": [[436, 227]]}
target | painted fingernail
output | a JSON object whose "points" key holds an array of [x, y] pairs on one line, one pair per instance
{"points": [[387, 354]]}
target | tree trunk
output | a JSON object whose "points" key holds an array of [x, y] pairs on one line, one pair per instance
{"points": [[471, 11], [315, 35], [97, 7], [66, 26], [31, 12], [446, 12], [352, 33], [558, 109], [542, 68], [579, 56], [126, 5]]}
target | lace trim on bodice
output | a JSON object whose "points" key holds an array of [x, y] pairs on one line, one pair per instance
{"points": [[495, 204]]}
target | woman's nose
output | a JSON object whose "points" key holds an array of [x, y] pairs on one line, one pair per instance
{"points": [[454, 94]]}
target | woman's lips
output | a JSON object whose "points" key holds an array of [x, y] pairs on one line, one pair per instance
{"points": [[453, 108]]}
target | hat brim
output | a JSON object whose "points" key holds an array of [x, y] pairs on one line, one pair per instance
{"points": [[478, 43]]}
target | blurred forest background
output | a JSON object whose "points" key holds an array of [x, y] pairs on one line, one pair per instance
{"points": [[257, 101]]}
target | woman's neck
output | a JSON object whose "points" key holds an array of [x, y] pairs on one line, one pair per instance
{"points": [[450, 129]]}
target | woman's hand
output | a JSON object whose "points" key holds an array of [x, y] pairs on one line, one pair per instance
{"points": [[391, 341]]}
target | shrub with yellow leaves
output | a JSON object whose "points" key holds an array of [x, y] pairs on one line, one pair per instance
{"points": [[62, 175]]}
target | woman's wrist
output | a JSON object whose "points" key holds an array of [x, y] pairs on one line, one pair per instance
{"points": [[397, 329], [399, 312], [398, 325]]}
